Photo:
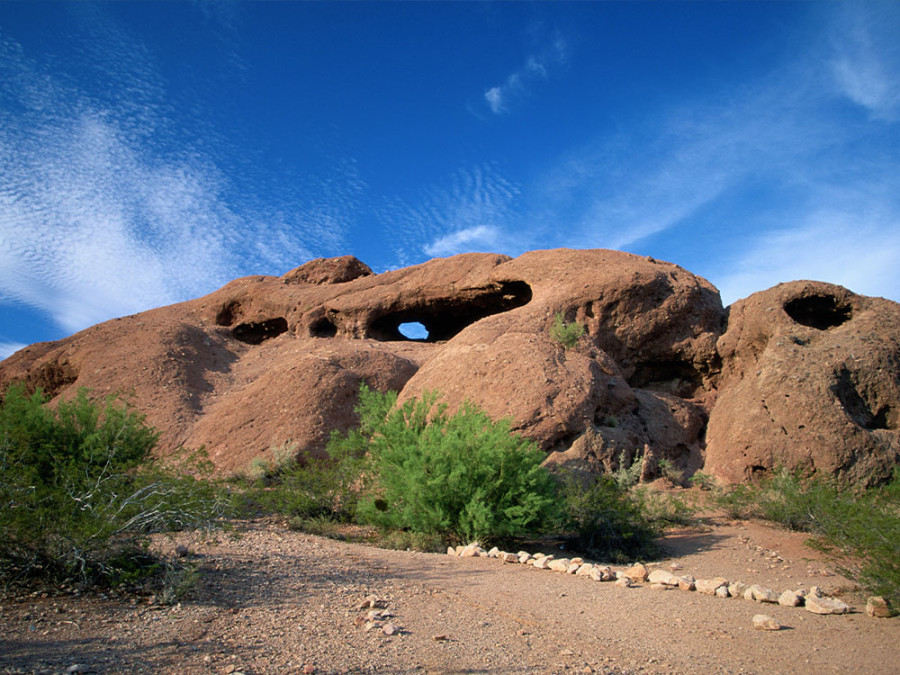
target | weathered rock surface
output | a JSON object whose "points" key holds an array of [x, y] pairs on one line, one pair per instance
{"points": [[802, 375], [811, 380]]}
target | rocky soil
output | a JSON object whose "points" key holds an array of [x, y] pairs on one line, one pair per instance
{"points": [[273, 601]]}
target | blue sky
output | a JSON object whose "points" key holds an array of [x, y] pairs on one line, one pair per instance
{"points": [[151, 152]]}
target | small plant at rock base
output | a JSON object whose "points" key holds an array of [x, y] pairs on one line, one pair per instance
{"points": [[567, 334], [668, 471], [629, 471], [703, 481]]}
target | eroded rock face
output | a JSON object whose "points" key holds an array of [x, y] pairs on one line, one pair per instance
{"points": [[639, 381], [805, 375], [810, 380]]}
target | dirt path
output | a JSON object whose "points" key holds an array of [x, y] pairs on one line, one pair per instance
{"points": [[276, 601]]}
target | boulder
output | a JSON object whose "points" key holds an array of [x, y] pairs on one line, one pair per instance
{"points": [[637, 573], [765, 622], [810, 382], [790, 599], [759, 593], [662, 577]]}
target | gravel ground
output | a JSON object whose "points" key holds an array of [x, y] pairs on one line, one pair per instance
{"points": [[277, 601]]}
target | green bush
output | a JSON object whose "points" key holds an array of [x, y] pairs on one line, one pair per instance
{"points": [[567, 334], [462, 476], [308, 488], [79, 494], [605, 520]]}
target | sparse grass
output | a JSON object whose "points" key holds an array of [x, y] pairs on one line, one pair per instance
{"points": [[629, 471], [860, 530], [668, 471], [662, 510]]}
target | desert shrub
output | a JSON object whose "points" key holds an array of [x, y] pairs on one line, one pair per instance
{"points": [[567, 334], [605, 520], [668, 471], [461, 476], [79, 494], [662, 510], [309, 489], [703, 481], [629, 472], [734, 500], [860, 530]]}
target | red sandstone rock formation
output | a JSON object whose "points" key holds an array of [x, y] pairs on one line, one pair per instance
{"points": [[805, 375]]}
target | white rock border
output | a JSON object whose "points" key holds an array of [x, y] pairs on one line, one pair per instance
{"points": [[637, 575]]}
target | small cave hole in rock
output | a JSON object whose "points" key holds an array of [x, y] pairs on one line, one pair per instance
{"points": [[323, 328], [228, 314], [256, 332], [818, 311], [671, 377], [413, 330]]}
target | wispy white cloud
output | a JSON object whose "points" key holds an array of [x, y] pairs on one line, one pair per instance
{"points": [[473, 212], [477, 238], [104, 212], [500, 98], [775, 157], [856, 250], [866, 60], [9, 348]]}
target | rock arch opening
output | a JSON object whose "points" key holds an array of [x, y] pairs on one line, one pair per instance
{"points": [[818, 311], [679, 378], [413, 330], [443, 318]]}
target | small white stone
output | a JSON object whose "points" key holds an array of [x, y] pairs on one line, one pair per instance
{"points": [[789, 599], [819, 605], [765, 622]]}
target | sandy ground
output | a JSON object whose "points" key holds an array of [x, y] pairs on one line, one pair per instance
{"points": [[277, 601]]}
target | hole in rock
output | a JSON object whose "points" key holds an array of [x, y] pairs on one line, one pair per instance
{"points": [[857, 407], [229, 313], [818, 311], [669, 377], [443, 318], [255, 332], [323, 328], [413, 330]]}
